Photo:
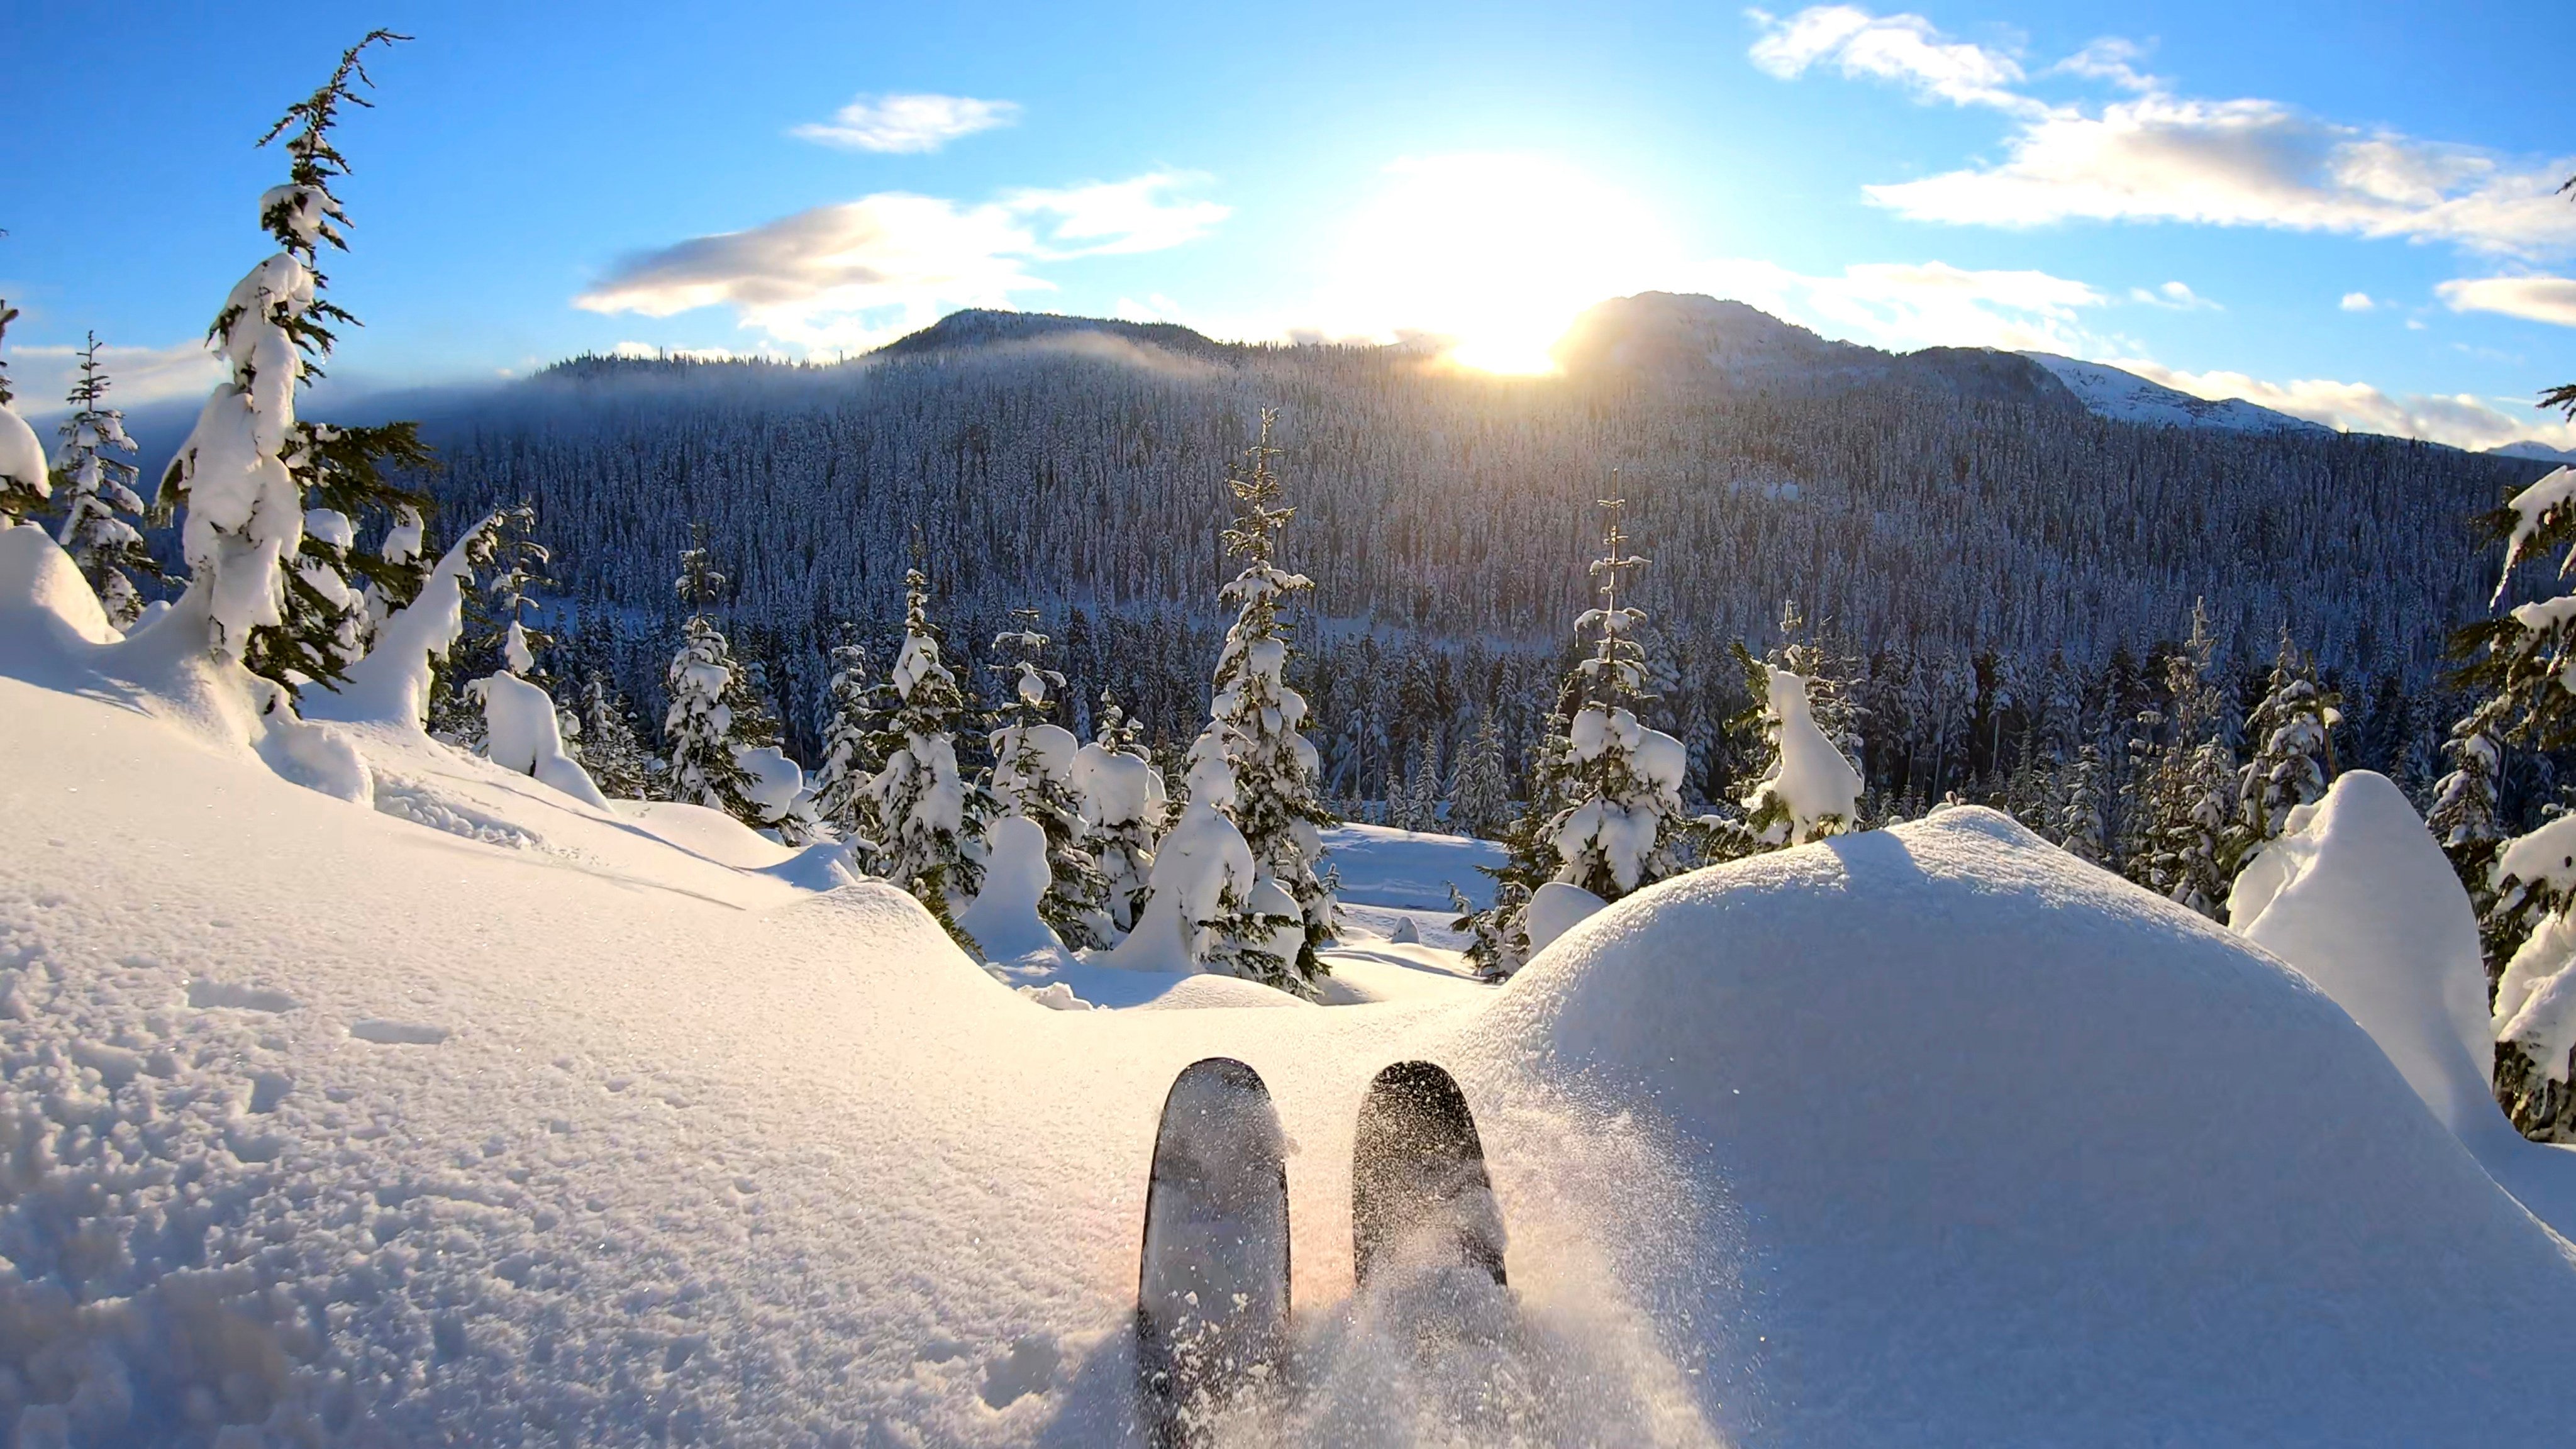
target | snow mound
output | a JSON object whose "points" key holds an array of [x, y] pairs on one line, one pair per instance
{"points": [[1207, 991], [2358, 899], [2003, 1142], [1003, 918]]}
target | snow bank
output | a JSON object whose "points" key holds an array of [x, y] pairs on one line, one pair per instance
{"points": [[2358, 899], [521, 735], [2000, 1149], [1554, 909]]}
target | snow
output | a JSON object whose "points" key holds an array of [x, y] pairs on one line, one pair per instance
{"points": [[776, 781], [22, 457], [484, 1109], [1554, 909], [391, 683], [1003, 918], [2358, 899], [1410, 869], [2109, 392], [2553, 490], [521, 734], [1813, 780]]}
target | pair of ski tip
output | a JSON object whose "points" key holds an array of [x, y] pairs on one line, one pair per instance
{"points": [[1212, 1289]]}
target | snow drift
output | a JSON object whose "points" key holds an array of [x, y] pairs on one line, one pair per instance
{"points": [[2001, 1149]]}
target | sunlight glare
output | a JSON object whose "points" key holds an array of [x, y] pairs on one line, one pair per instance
{"points": [[1495, 255]]}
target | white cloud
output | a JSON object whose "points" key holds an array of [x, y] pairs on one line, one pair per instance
{"points": [[907, 122], [2174, 297], [2534, 299], [40, 376], [1905, 49], [1919, 304], [2357, 302], [855, 274], [2462, 419], [2162, 157]]}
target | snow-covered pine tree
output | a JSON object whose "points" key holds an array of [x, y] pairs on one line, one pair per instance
{"points": [[610, 751], [931, 816], [273, 504], [849, 754], [1033, 778], [2187, 785], [1618, 831], [2466, 818], [1210, 908], [1810, 790], [25, 484], [2293, 751], [699, 733], [1479, 792], [2080, 825], [1498, 942], [1124, 803], [100, 506], [518, 564], [1271, 766]]}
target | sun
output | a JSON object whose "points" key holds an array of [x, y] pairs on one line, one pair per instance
{"points": [[1494, 255]]}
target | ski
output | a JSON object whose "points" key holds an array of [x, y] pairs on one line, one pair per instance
{"points": [[1419, 1192], [1212, 1279]]}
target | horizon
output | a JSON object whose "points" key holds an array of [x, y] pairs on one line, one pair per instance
{"points": [[2269, 208]]}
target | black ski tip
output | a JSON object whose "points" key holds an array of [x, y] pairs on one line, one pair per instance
{"points": [[1416, 1155], [1213, 1274]]}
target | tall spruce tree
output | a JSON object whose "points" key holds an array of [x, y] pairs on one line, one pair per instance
{"points": [[610, 750], [2188, 785], [1033, 759], [99, 502], [850, 761], [25, 482], [2081, 826], [932, 817], [1258, 717], [2290, 735], [700, 734], [283, 598], [1479, 791], [1617, 833], [1131, 819], [1498, 936]]}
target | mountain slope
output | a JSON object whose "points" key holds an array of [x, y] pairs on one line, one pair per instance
{"points": [[2108, 392]]}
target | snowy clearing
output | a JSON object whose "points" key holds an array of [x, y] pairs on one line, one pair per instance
{"points": [[491, 1118]]}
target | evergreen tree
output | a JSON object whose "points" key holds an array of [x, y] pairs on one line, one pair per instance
{"points": [[699, 731], [2288, 732], [25, 483], [2189, 786], [1810, 788], [1618, 831], [100, 506], [1499, 934], [2080, 824], [1124, 832], [281, 597], [610, 751], [932, 817], [1479, 792], [850, 760], [1258, 718], [1033, 759]]}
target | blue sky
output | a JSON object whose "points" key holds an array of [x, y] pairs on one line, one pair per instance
{"points": [[2345, 211]]}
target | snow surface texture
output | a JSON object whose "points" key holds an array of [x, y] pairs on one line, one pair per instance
{"points": [[486, 1116], [22, 458], [2111, 393], [2359, 899]]}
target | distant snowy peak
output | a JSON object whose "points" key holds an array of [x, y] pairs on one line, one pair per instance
{"points": [[2126, 397], [977, 327], [2537, 451]]}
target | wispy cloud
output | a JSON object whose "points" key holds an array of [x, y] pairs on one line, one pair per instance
{"points": [[2461, 419], [2534, 299], [2161, 156], [2174, 297], [854, 274], [1919, 304], [136, 375], [2357, 302], [907, 123]]}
